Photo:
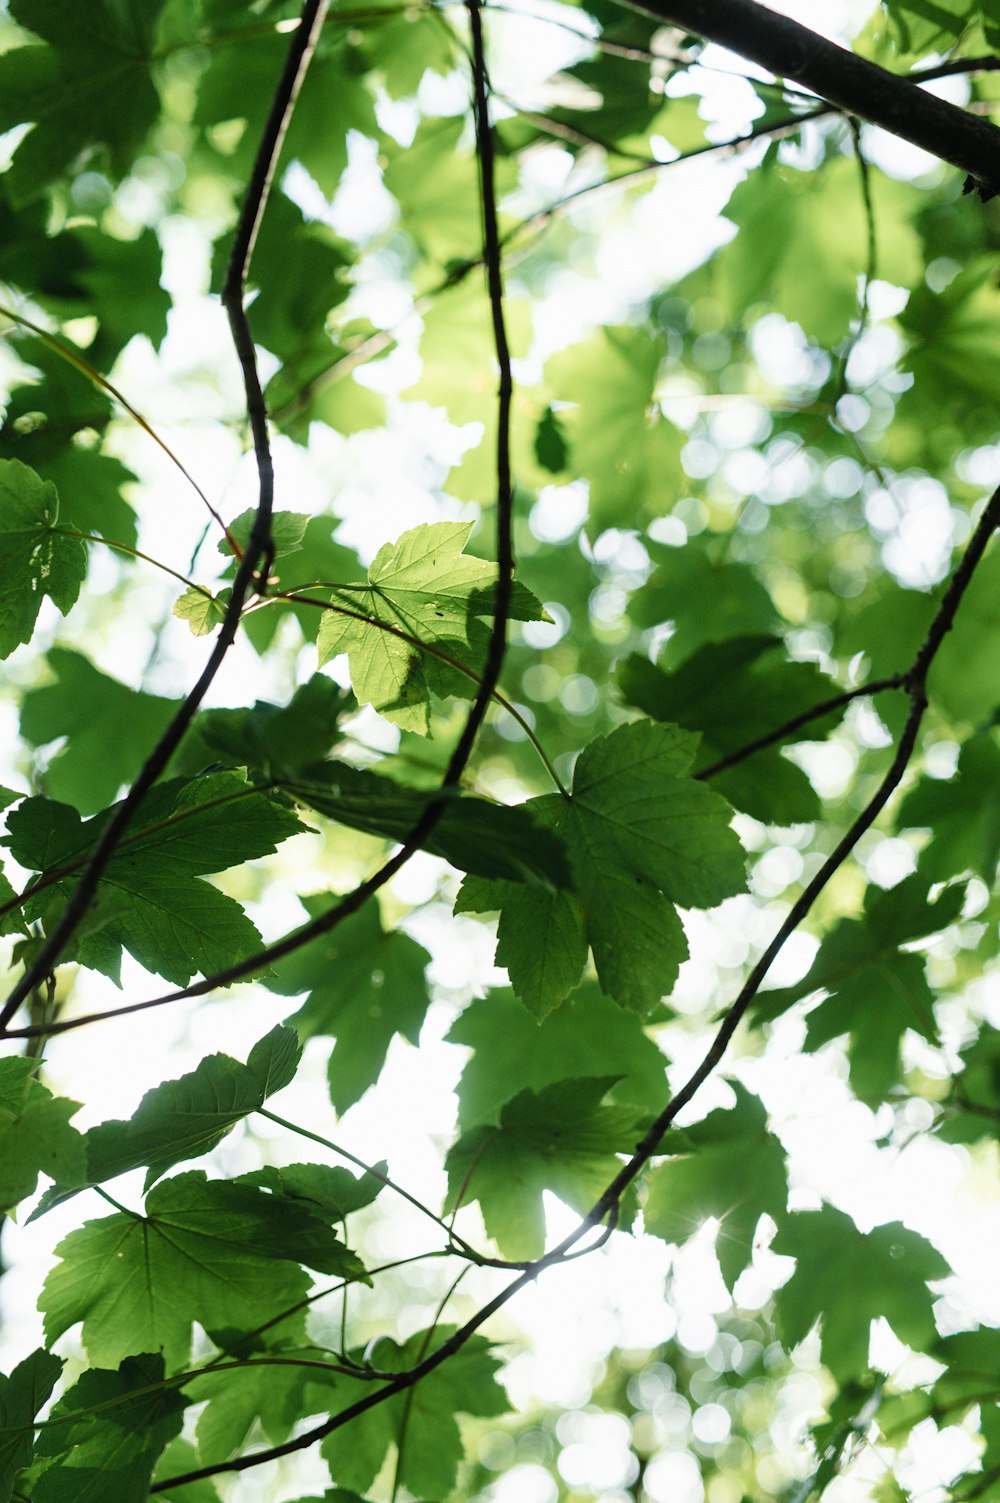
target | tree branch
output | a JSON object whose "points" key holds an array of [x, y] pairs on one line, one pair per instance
{"points": [[258, 546], [789, 50]]}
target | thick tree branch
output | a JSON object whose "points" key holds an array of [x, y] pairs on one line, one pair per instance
{"points": [[850, 82]]}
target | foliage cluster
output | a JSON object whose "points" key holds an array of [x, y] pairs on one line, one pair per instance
{"points": [[740, 686]]}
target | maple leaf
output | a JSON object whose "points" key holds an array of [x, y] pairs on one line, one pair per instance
{"points": [[640, 836], [38, 559], [428, 592]]}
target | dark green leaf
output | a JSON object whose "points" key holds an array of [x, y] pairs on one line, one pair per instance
{"points": [[108, 1431], [733, 693], [223, 1254], [641, 837], [492, 840], [846, 1279], [365, 985], [147, 901], [21, 1396], [182, 1119], [90, 86], [560, 1138], [730, 1168]]}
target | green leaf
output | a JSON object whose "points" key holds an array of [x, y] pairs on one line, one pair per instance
{"points": [[202, 610], [493, 840], [182, 1119], [846, 1279], [223, 1254], [972, 1111], [708, 599], [80, 704], [817, 222], [428, 592], [436, 188], [276, 1395], [21, 1396], [38, 559], [551, 449], [875, 991], [239, 84], [965, 828], [147, 901], [180, 1457], [40, 428], [618, 438], [288, 529], [733, 693], [560, 1138], [731, 1168], [35, 1134], [583, 1036], [428, 1464], [365, 985], [274, 741], [329, 1191], [110, 1428], [90, 87], [641, 837]]}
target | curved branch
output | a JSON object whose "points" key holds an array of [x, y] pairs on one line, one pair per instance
{"points": [[258, 545]]}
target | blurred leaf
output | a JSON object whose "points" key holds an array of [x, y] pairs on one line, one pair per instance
{"points": [[617, 437], [586, 1034], [89, 85], [80, 704], [428, 1462]]}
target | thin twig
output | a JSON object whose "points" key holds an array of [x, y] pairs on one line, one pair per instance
{"points": [[770, 738]]}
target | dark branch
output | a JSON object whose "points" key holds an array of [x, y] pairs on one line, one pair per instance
{"points": [[849, 82], [299, 55], [877, 686]]}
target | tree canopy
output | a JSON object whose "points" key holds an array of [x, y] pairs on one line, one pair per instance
{"points": [[496, 582]]}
